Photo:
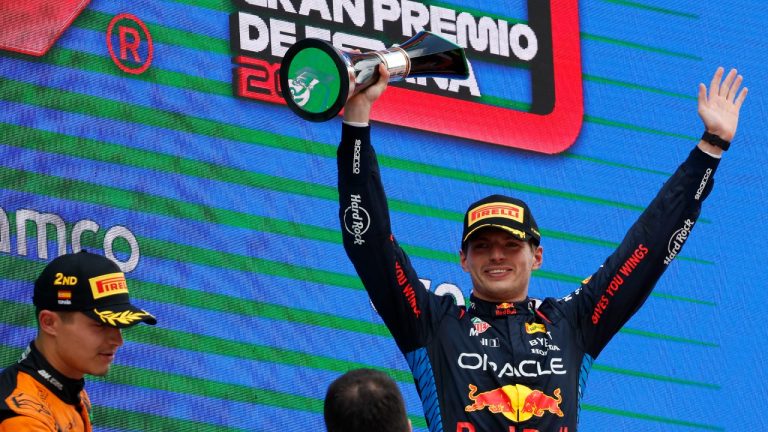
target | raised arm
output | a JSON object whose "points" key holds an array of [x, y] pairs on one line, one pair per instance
{"points": [[410, 312], [719, 108], [614, 293]]}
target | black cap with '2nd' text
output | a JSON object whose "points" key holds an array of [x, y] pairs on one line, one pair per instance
{"points": [[91, 284]]}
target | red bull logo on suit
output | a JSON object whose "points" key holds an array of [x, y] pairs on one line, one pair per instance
{"points": [[516, 402]]}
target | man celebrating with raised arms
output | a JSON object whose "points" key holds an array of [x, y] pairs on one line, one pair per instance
{"points": [[532, 376]]}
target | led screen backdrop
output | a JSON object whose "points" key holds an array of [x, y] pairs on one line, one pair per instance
{"points": [[151, 131]]}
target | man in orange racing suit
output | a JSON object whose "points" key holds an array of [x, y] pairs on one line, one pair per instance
{"points": [[81, 300], [511, 362]]}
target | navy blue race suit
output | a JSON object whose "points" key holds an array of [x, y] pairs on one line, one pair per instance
{"points": [[507, 367]]}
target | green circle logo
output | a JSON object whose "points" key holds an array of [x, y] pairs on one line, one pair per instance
{"points": [[313, 80]]}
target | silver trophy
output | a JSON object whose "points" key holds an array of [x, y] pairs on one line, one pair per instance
{"points": [[317, 78]]}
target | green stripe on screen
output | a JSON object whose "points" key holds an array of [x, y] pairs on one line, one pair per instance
{"points": [[213, 389], [505, 103], [105, 108], [225, 260], [244, 307], [639, 169], [110, 417], [208, 388], [250, 308], [114, 197], [98, 21], [208, 257], [641, 47], [451, 173], [106, 417], [655, 377], [103, 65], [660, 10], [614, 164], [627, 126], [642, 416], [219, 5], [175, 339], [684, 299], [163, 381], [648, 89], [79, 191], [653, 335], [103, 151], [112, 153], [18, 314], [101, 107]]}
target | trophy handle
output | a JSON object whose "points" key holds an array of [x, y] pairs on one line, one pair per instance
{"points": [[434, 56]]}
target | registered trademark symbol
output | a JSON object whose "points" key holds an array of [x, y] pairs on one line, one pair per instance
{"points": [[133, 41]]}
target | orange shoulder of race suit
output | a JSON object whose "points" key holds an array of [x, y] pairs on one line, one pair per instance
{"points": [[35, 397]]}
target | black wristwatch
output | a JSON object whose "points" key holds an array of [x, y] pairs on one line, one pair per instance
{"points": [[716, 140]]}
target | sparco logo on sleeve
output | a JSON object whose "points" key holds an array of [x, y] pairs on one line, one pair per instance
{"points": [[703, 184], [356, 219], [356, 158], [544, 45]]}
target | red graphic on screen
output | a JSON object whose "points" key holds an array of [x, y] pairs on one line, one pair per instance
{"points": [[33, 26], [550, 125], [557, 110]]}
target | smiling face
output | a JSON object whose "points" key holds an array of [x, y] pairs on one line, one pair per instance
{"points": [[500, 265], [77, 345]]}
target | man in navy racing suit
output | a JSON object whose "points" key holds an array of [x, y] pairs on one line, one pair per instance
{"points": [[510, 362]]}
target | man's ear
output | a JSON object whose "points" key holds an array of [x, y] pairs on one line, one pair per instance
{"points": [[463, 260], [538, 258], [48, 321]]}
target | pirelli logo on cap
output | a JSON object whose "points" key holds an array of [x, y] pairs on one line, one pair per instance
{"points": [[108, 284], [496, 210]]}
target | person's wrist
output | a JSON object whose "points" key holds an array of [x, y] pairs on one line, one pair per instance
{"points": [[716, 140], [357, 110]]}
